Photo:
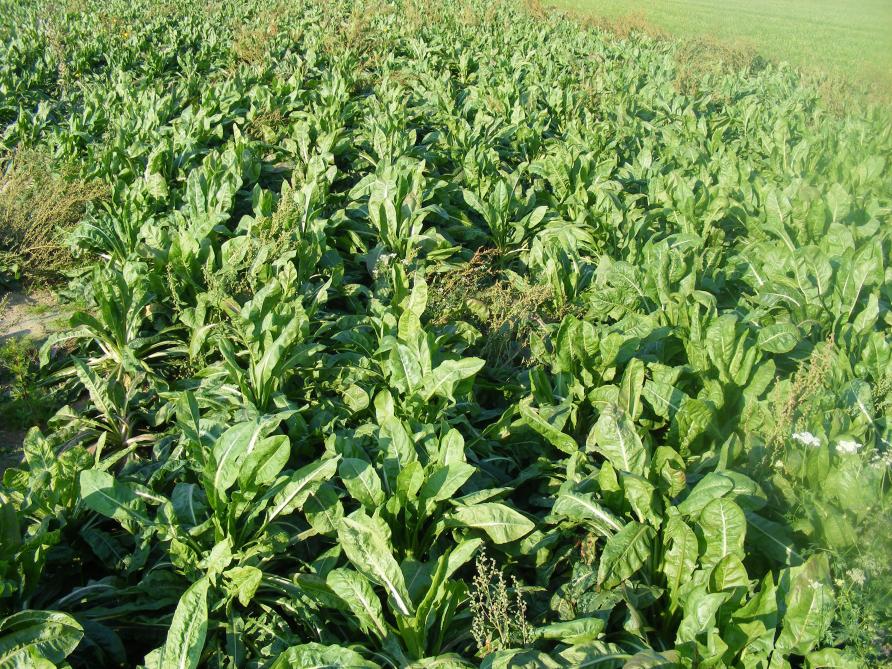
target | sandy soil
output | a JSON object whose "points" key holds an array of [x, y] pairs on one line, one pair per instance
{"points": [[32, 315]]}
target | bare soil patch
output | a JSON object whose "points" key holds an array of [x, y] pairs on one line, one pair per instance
{"points": [[34, 315]]}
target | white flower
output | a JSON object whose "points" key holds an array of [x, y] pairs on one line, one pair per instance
{"points": [[856, 576], [881, 460], [807, 439], [847, 446]]}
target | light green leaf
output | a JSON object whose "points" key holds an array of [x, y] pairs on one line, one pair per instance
{"points": [[357, 592], [680, 558], [369, 550], [244, 582], [751, 629], [318, 656], [727, 574], [263, 463], [625, 553], [552, 433], [710, 487], [631, 387], [362, 482], [778, 338], [639, 493], [700, 609], [591, 655], [229, 451], [444, 379], [810, 606], [582, 507], [299, 487], [831, 658], [614, 437], [103, 494], [572, 632], [502, 523], [449, 661], [444, 482], [724, 530], [323, 509], [27, 635], [185, 638]]}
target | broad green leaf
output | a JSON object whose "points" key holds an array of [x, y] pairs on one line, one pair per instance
{"points": [[244, 582], [405, 368], [300, 485], [445, 378], [356, 398], [263, 463], [631, 387], [319, 656], [831, 658], [664, 398], [778, 338], [746, 492], [771, 539], [520, 658], [625, 553], [572, 632], [452, 448], [671, 468], [680, 556], [27, 635], [689, 423], [369, 550], [809, 607], [323, 509], [614, 437], [639, 493], [502, 523], [582, 507], [413, 309], [651, 659], [552, 433], [185, 638], [357, 592], [710, 487], [724, 345], [103, 494], [99, 392], [727, 574], [218, 559], [409, 481], [752, 628], [700, 609], [445, 482], [462, 554], [229, 452], [724, 530], [362, 482], [449, 661], [593, 655], [398, 447]]}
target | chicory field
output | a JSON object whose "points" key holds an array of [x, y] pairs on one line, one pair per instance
{"points": [[444, 335]]}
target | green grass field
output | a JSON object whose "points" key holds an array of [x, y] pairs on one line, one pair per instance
{"points": [[852, 38]]}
